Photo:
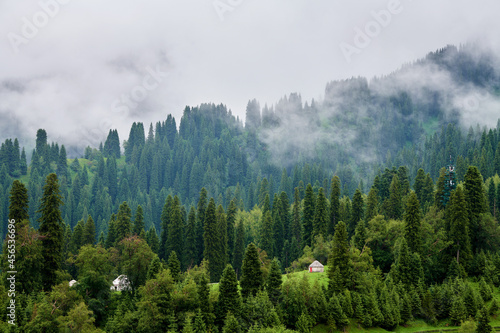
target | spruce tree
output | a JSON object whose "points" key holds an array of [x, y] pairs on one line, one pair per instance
{"points": [[222, 240], [18, 204], [251, 274], [229, 296], [88, 236], [357, 212], [230, 220], [138, 221], [174, 265], [334, 204], [239, 248], [123, 224], [190, 250], [394, 208], [308, 216], [412, 223], [52, 230], [175, 240], [339, 260], [204, 301], [360, 235], [266, 241], [458, 230], [211, 241], [231, 324], [165, 221], [320, 222], [483, 325], [475, 200], [278, 227], [371, 204], [200, 223], [296, 223], [274, 281]]}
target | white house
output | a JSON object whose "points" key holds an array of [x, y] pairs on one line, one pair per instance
{"points": [[121, 283], [73, 283], [315, 267]]}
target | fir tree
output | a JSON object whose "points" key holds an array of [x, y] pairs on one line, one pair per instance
{"points": [[165, 221], [52, 230], [371, 204], [251, 274], [458, 230], [394, 208], [155, 267], [360, 235], [474, 197], [204, 301], [175, 241], [231, 325], [211, 242], [190, 250], [18, 204], [230, 220], [200, 223], [296, 224]]}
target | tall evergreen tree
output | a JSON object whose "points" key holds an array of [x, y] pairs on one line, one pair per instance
{"points": [[483, 319], [123, 225], [229, 296], [321, 218], [239, 247], [394, 208], [371, 204], [458, 230], [339, 261], [475, 200], [357, 211], [190, 250], [266, 237], [296, 223], [200, 223], [175, 240], [412, 223], [222, 239], [230, 220], [211, 241], [52, 230], [18, 204], [308, 215], [334, 204], [88, 236], [138, 221], [251, 279], [165, 221], [274, 281]]}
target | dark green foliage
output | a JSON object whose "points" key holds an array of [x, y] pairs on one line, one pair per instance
{"points": [[475, 201], [88, 234], [339, 261], [153, 240], [229, 296], [278, 228], [266, 242], [18, 203], [231, 325], [321, 218], [51, 227], [239, 247], [175, 240], [483, 325], [336, 316], [357, 212], [155, 267], [230, 220], [165, 221], [360, 235], [308, 216], [138, 221], [190, 249], [112, 144], [334, 204], [204, 301], [174, 265], [251, 279], [123, 224], [211, 237], [296, 229], [371, 204], [458, 230], [412, 224], [200, 223], [393, 205], [458, 312], [274, 281]]}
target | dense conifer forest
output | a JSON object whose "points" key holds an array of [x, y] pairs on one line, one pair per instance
{"points": [[204, 216]]}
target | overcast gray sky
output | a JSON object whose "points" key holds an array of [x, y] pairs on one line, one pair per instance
{"points": [[80, 67]]}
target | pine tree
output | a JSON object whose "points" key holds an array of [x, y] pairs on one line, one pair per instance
{"points": [[229, 296], [357, 212], [360, 235], [308, 216], [239, 247], [439, 196], [458, 313], [334, 204], [320, 222], [138, 221], [199, 323], [88, 236], [266, 241], [18, 204], [165, 221], [155, 267], [296, 224], [251, 274], [222, 240], [204, 301], [231, 325], [62, 163], [278, 227], [200, 223], [52, 230], [339, 260], [412, 223], [336, 315], [403, 265]]}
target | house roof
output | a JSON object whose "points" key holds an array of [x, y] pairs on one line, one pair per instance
{"points": [[316, 264]]}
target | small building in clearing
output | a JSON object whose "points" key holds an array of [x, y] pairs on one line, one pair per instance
{"points": [[316, 267], [121, 283]]}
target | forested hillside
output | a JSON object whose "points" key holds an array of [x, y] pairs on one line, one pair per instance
{"points": [[381, 181]]}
